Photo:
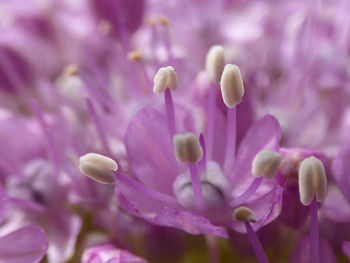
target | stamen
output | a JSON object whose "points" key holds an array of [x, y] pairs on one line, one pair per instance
{"points": [[136, 56], [245, 215], [266, 163], [312, 180], [99, 127], [214, 63], [312, 189], [170, 113], [188, 150], [232, 85], [232, 92], [211, 112], [98, 167]]}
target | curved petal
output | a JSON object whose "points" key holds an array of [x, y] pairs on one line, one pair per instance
{"points": [[26, 245], [266, 205], [263, 134], [340, 168], [150, 150], [62, 229]]}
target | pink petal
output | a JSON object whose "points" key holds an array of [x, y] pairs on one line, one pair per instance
{"points": [[26, 245]]}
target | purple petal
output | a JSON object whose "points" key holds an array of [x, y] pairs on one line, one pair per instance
{"points": [[340, 168], [263, 134], [62, 229], [188, 222], [150, 151], [335, 207], [26, 245], [266, 206], [302, 253]]}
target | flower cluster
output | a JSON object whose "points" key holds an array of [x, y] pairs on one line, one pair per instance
{"points": [[137, 130]]}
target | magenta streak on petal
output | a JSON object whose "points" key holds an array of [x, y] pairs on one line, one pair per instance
{"points": [[211, 119], [145, 190], [202, 163], [314, 232], [51, 145], [197, 187], [231, 139], [99, 128], [248, 193], [256, 245], [170, 114]]}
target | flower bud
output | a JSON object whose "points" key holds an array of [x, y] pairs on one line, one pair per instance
{"points": [[232, 85], [214, 63], [244, 214], [266, 163], [187, 148], [98, 167], [166, 77], [312, 180]]}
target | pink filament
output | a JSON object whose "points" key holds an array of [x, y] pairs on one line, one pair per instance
{"points": [[230, 139], [314, 232], [197, 187], [256, 245], [211, 119], [170, 114]]}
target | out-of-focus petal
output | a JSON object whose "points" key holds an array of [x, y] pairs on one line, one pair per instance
{"points": [[26, 245]]}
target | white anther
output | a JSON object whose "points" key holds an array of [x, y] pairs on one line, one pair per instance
{"points": [[244, 214], [232, 85], [166, 77], [312, 180], [187, 148], [266, 163], [98, 167], [214, 63]]}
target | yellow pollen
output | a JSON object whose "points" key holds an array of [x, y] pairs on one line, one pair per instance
{"points": [[164, 21], [135, 55], [71, 70]]}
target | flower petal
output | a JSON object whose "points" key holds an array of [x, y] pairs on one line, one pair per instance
{"points": [[26, 245]]}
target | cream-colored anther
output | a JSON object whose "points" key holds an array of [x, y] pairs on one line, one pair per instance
{"points": [[98, 167], [232, 85], [312, 180], [266, 163], [214, 63], [244, 214], [166, 77], [187, 148]]}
